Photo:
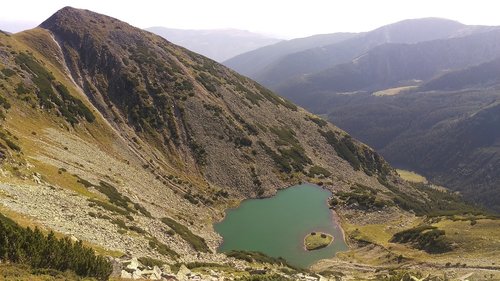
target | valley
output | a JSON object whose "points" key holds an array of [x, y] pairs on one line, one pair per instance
{"points": [[426, 103], [144, 154]]}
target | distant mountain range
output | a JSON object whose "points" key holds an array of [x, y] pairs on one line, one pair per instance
{"points": [[254, 62], [424, 92], [217, 44], [324, 55]]}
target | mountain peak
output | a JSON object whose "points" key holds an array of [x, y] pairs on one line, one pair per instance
{"points": [[64, 14], [78, 19]]}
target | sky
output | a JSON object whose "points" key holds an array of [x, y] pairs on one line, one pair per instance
{"points": [[278, 18]]}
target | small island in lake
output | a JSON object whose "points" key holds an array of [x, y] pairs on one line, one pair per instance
{"points": [[317, 240]]}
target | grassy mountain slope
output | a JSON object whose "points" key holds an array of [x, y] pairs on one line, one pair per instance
{"points": [[219, 45]]}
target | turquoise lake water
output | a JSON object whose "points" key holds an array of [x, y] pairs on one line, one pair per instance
{"points": [[277, 226]]}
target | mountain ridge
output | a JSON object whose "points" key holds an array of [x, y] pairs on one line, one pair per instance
{"points": [[217, 44], [393, 65], [318, 58]]}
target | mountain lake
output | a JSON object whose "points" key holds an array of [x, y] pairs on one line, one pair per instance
{"points": [[277, 225]]}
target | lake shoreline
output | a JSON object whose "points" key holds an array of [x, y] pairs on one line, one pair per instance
{"points": [[338, 222]]}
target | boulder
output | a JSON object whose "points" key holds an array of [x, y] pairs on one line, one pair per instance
{"points": [[137, 274], [166, 268], [183, 273], [134, 264], [125, 275]]}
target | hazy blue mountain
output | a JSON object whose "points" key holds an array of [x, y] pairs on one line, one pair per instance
{"points": [[476, 76], [396, 65], [217, 44], [253, 62], [323, 57]]}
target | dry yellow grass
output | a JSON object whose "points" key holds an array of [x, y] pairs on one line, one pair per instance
{"points": [[393, 91], [317, 240], [411, 176]]}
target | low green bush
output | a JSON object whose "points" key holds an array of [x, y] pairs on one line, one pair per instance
{"points": [[197, 242], [162, 248], [151, 262], [31, 247], [319, 171], [425, 237]]}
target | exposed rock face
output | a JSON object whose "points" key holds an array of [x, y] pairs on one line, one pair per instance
{"points": [[202, 117]]}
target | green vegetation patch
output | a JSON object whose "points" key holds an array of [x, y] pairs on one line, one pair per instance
{"points": [[242, 141], [115, 197], [432, 202], [294, 158], [215, 109], [288, 159], [425, 237], [207, 82], [10, 143], [265, 277], [197, 242], [107, 206], [119, 204], [318, 121], [200, 154], [257, 257], [285, 135], [291, 158], [196, 264], [253, 97], [319, 171], [4, 103], [317, 240], [32, 247], [8, 72], [147, 261], [360, 196], [162, 248], [357, 156], [67, 105]]}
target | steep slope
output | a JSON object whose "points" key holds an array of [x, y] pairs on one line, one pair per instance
{"points": [[463, 154], [162, 92], [396, 65], [253, 62], [320, 58], [217, 44]]}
